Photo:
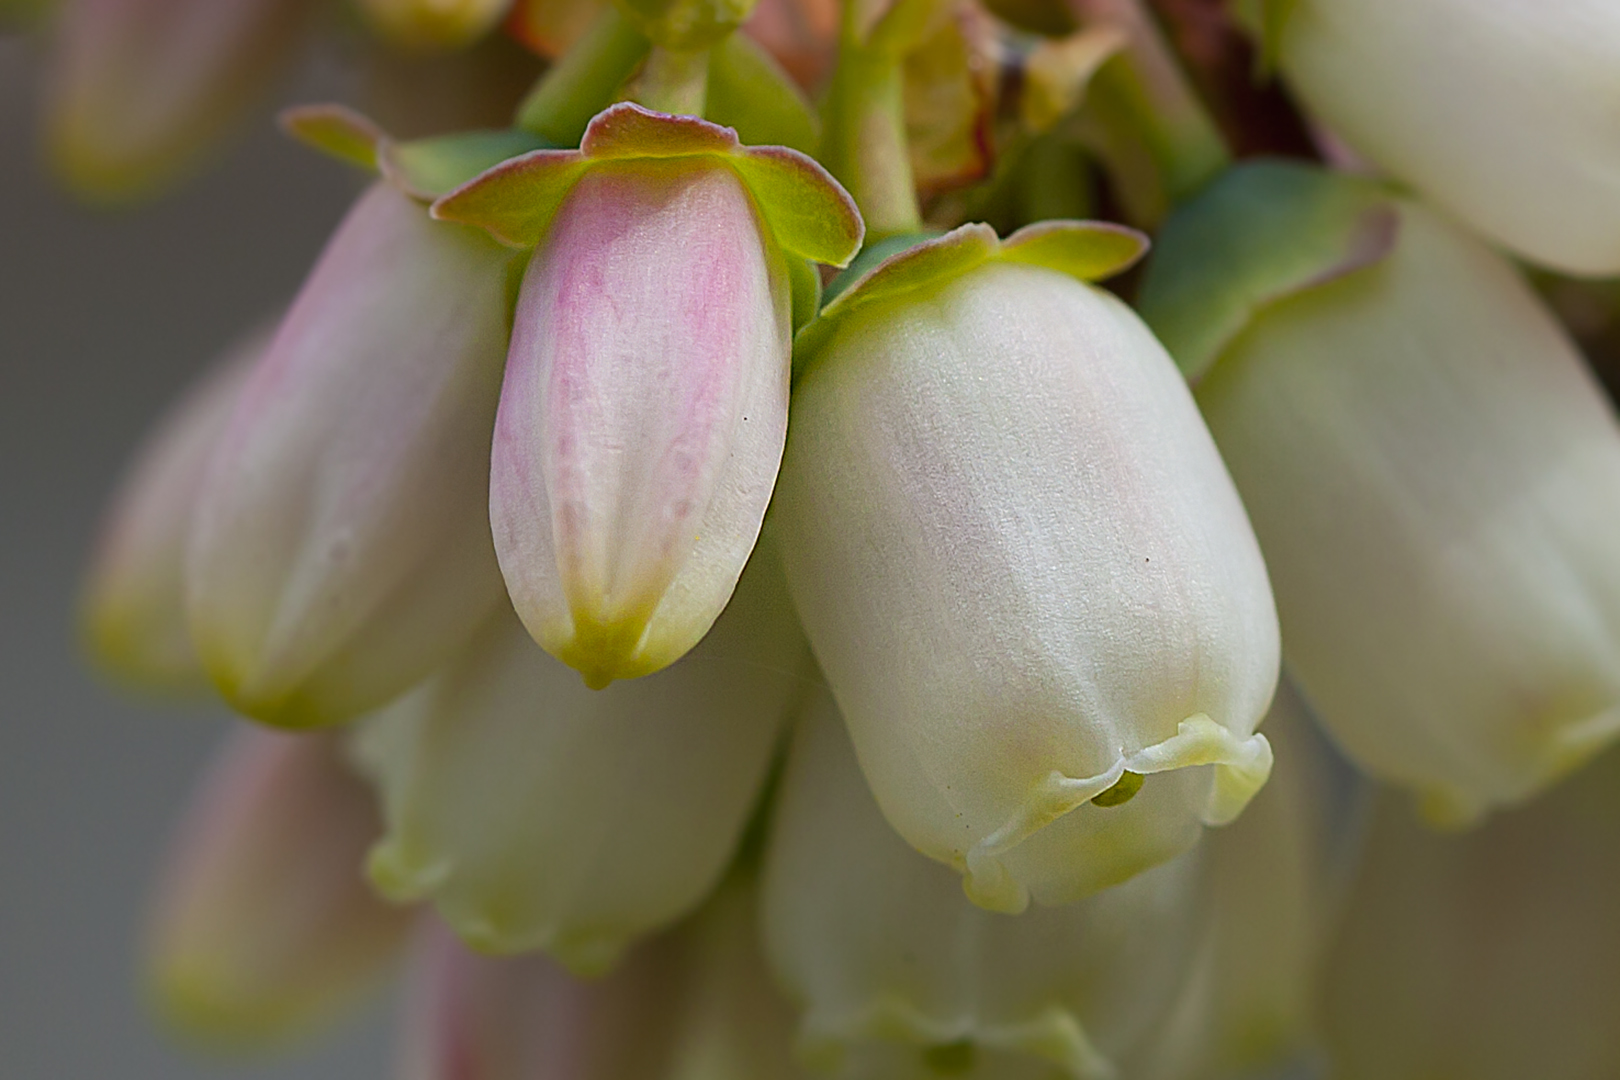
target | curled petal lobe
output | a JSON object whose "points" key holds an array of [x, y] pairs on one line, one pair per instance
{"points": [[537, 813], [264, 926], [340, 548], [643, 415], [997, 483], [134, 598]]}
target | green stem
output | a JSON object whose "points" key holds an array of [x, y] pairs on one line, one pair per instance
{"points": [[583, 82], [864, 139], [673, 81], [1145, 91]]}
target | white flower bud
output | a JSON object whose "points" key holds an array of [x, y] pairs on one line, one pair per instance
{"points": [[902, 977], [538, 813], [1501, 111], [1435, 480], [1026, 574], [341, 547]]}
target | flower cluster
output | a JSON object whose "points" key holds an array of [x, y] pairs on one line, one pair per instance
{"points": [[732, 567]]}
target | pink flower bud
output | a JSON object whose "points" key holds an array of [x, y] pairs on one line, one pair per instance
{"points": [[643, 416], [264, 925], [341, 548]]}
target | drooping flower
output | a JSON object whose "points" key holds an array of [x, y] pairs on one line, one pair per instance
{"points": [[1501, 113], [1431, 470], [141, 88], [340, 548], [1023, 567], [645, 405], [1490, 955], [134, 593], [537, 813], [264, 926], [901, 977]]}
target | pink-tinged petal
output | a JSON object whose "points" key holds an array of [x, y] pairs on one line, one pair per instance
{"points": [[134, 597], [341, 545], [264, 926], [629, 130], [435, 24], [141, 88], [643, 415], [474, 1017]]}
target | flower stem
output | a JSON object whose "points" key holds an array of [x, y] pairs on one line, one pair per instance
{"points": [[584, 81], [673, 81], [1150, 108], [864, 142]]}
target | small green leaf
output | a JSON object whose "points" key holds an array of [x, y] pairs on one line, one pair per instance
{"points": [[516, 200], [749, 91], [427, 168], [807, 210], [338, 131], [1263, 231], [1088, 250]]}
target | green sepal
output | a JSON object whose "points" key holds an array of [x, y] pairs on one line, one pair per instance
{"points": [[427, 168], [424, 169], [873, 254], [749, 91], [1086, 250], [584, 81], [336, 131], [1262, 232], [805, 284], [808, 213]]}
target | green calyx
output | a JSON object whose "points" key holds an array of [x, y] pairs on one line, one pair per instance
{"points": [[424, 169], [1085, 250], [1261, 233], [808, 214]]}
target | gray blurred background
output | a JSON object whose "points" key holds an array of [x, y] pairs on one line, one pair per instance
{"points": [[103, 317]]}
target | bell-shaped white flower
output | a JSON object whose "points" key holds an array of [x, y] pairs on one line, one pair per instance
{"points": [[134, 596], [341, 546], [901, 977], [537, 813], [645, 406], [1435, 478], [1501, 112], [1024, 568], [1489, 955], [264, 926]]}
